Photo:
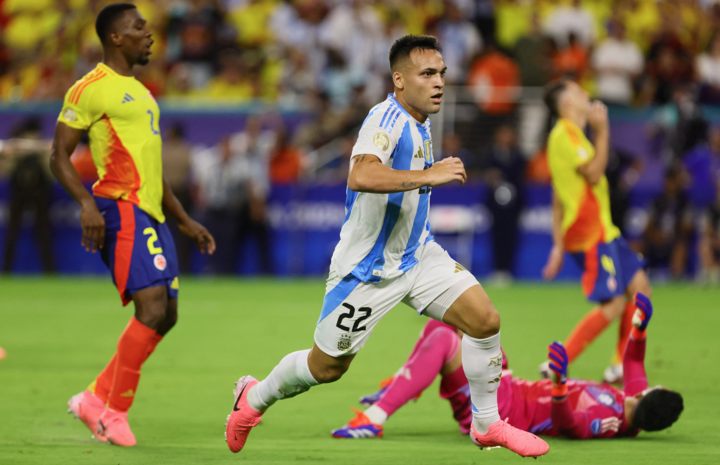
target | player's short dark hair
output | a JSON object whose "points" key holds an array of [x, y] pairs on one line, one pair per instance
{"points": [[551, 96], [107, 17], [658, 410], [404, 45]]}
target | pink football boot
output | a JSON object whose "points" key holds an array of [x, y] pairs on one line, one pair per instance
{"points": [[501, 434], [87, 407], [243, 417], [114, 426]]}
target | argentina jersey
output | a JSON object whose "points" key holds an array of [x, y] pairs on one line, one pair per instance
{"points": [[381, 233]]}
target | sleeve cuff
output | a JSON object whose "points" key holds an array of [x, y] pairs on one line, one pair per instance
{"points": [[74, 124], [559, 392], [637, 334], [378, 153]]}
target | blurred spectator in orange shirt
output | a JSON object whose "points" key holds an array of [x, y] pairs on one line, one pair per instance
{"points": [[83, 163], [571, 61], [538, 170], [286, 161], [495, 79]]}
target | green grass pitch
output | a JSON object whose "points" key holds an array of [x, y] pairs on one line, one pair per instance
{"points": [[60, 332]]}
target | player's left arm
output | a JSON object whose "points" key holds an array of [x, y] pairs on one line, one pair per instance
{"points": [[564, 419], [594, 170], [204, 241]]}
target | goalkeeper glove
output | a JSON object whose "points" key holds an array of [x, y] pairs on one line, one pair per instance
{"points": [[643, 313], [558, 364]]}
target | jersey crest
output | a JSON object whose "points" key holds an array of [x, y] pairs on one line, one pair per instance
{"points": [[605, 397], [428, 152]]}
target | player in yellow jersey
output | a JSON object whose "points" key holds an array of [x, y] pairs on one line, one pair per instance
{"points": [[124, 217], [582, 224]]}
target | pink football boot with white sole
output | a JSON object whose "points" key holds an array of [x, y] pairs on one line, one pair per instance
{"points": [[114, 426], [87, 407], [501, 434], [243, 418]]}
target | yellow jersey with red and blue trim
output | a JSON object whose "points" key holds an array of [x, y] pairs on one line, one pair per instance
{"points": [[586, 208], [122, 121]]}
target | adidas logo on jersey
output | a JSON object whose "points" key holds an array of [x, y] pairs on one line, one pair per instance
{"points": [[459, 268], [128, 98], [419, 153]]}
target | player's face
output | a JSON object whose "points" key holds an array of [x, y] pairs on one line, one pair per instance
{"points": [[424, 80], [577, 98], [136, 37]]}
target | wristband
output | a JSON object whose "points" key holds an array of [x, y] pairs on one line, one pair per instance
{"points": [[637, 334], [559, 391]]}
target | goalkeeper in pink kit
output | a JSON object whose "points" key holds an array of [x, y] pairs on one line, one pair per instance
{"points": [[575, 408]]}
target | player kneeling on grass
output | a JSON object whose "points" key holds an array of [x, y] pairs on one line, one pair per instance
{"points": [[578, 409]]}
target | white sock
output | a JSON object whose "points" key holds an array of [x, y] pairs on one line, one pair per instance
{"points": [[482, 362], [289, 378], [376, 415]]}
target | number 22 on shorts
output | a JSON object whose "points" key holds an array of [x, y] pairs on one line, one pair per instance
{"points": [[351, 312], [152, 240]]}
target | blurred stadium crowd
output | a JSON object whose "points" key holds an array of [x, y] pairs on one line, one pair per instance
{"points": [[630, 52], [329, 59]]}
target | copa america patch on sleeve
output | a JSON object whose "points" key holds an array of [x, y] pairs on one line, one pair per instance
{"points": [[381, 141], [70, 115]]}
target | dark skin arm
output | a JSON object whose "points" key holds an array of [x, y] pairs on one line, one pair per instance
{"points": [[91, 220], [369, 174]]}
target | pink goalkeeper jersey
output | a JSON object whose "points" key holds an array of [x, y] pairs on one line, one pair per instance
{"points": [[590, 410]]}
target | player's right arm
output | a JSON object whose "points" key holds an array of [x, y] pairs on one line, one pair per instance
{"points": [[91, 220], [594, 170], [82, 107], [369, 170], [635, 378], [369, 174]]}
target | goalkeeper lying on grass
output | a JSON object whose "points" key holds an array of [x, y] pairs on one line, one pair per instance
{"points": [[576, 408]]}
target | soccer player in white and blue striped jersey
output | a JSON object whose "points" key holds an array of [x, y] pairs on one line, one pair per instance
{"points": [[386, 255]]}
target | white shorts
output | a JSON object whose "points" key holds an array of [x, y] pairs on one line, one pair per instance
{"points": [[352, 308]]}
